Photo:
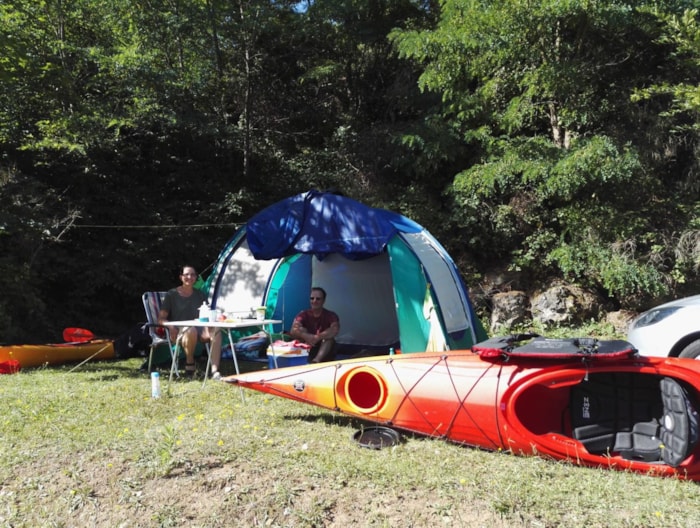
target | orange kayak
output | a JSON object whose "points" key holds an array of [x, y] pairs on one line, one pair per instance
{"points": [[56, 354], [618, 411]]}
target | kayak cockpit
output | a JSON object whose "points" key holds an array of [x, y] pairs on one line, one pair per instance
{"points": [[631, 415], [618, 412], [637, 417]]}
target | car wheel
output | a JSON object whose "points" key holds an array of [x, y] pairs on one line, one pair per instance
{"points": [[692, 351]]}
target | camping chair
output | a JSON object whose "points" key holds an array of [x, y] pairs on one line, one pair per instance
{"points": [[160, 335]]}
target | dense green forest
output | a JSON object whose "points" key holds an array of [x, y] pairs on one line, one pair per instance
{"points": [[553, 138]]}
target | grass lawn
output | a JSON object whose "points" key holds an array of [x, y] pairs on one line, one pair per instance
{"points": [[92, 448]]}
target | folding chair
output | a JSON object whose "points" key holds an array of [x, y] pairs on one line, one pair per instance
{"points": [[152, 302], [160, 335]]}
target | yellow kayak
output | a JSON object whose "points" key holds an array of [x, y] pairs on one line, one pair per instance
{"points": [[56, 354]]}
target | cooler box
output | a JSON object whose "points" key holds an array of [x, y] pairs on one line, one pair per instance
{"points": [[287, 355]]}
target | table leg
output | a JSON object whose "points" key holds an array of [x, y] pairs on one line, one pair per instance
{"points": [[233, 352], [207, 347], [235, 360], [268, 333]]}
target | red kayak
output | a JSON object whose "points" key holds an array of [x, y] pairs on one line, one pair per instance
{"points": [[593, 403]]}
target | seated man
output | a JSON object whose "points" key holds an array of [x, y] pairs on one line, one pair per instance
{"points": [[317, 327], [182, 304]]}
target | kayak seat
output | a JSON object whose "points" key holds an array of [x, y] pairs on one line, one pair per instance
{"points": [[679, 425], [642, 443], [618, 413]]}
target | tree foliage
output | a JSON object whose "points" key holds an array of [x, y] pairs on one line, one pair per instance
{"points": [[558, 138], [563, 153]]}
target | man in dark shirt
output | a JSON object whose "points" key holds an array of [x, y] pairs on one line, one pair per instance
{"points": [[317, 327]]}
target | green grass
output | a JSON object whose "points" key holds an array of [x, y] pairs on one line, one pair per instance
{"points": [[91, 448]]}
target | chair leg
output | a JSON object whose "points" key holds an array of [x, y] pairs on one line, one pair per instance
{"points": [[150, 359], [174, 353]]}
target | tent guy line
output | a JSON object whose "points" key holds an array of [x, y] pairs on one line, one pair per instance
{"points": [[172, 226]]}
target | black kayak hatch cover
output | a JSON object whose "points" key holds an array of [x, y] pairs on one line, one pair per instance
{"points": [[377, 437]]}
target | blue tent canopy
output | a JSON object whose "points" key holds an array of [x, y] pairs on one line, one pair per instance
{"points": [[320, 224], [390, 281]]}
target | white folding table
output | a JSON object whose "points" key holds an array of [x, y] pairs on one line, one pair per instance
{"points": [[226, 326]]}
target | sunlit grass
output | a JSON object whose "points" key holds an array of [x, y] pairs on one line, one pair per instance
{"points": [[73, 444]]}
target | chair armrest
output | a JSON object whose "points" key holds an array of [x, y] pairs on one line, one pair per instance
{"points": [[157, 330]]}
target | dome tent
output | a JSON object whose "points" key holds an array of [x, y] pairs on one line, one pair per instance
{"points": [[391, 283]]}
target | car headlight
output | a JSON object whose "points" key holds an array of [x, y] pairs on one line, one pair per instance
{"points": [[654, 316]]}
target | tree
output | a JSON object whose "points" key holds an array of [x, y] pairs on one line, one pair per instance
{"points": [[680, 96], [557, 137], [541, 94]]}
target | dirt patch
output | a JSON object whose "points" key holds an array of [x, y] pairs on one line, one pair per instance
{"points": [[119, 492]]}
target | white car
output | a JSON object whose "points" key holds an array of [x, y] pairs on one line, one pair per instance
{"points": [[672, 329]]}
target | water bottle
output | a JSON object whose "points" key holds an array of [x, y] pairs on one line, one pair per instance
{"points": [[391, 351], [204, 312], [155, 385]]}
